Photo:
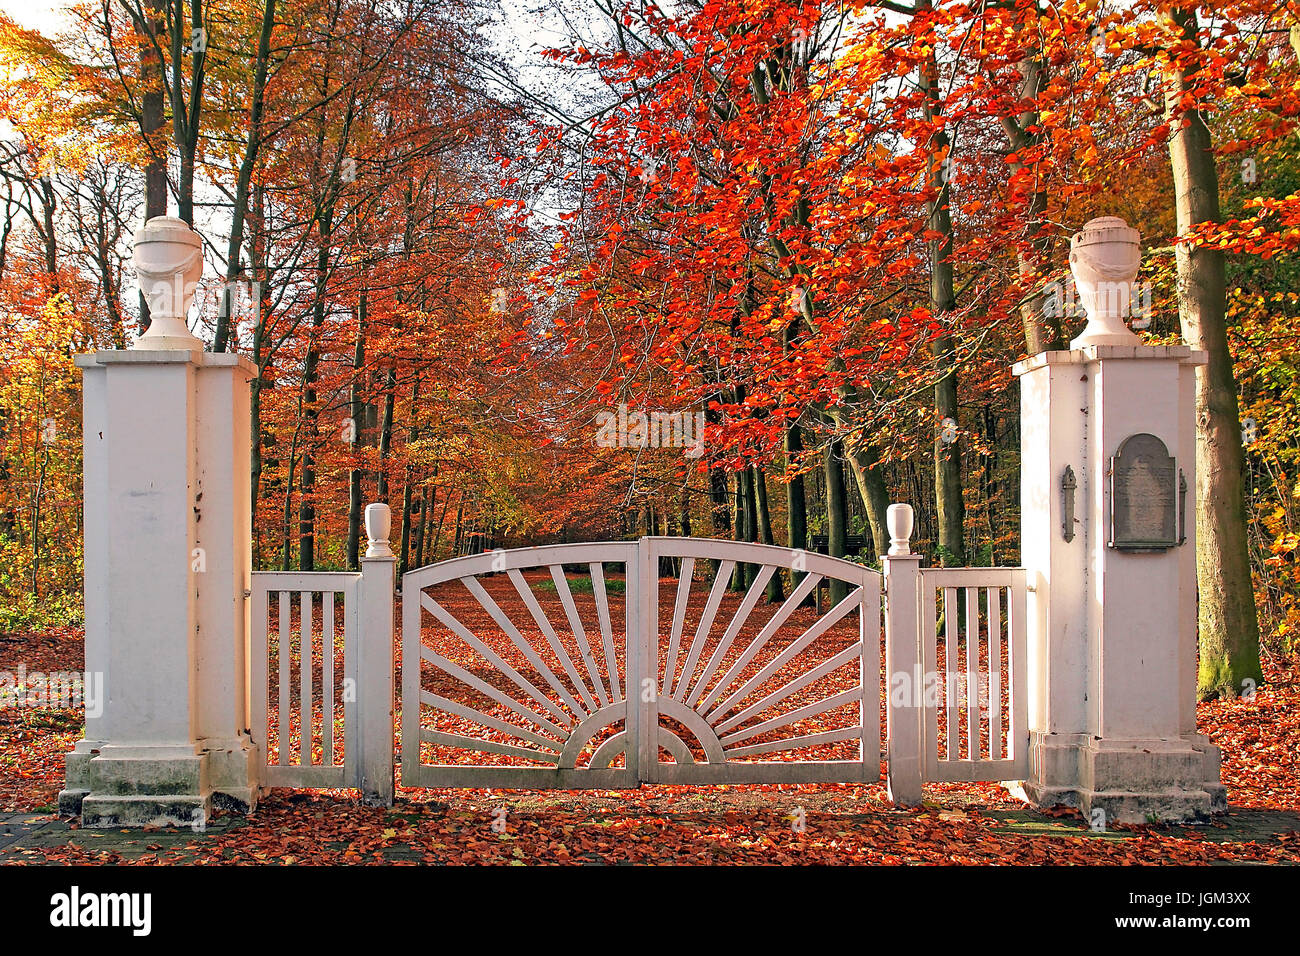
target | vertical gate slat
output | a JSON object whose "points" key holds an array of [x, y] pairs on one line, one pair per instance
{"points": [[283, 690], [972, 672], [869, 633], [327, 677], [996, 750], [260, 678], [929, 665], [1016, 618], [953, 720], [306, 625]]}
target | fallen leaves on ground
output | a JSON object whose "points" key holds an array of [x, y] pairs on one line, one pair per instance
{"points": [[962, 823]]}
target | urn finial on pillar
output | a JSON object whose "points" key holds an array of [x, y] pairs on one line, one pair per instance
{"points": [[899, 520], [169, 261], [379, 521], [1104, 258]]}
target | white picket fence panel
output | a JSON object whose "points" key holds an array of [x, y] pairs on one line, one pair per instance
{"points": [[979, 697], [325, 599]]}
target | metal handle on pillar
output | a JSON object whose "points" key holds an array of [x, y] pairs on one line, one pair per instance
{"points": [[1182, 507], [1068, 486]]}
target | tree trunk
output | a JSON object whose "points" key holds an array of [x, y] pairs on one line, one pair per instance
{"points": [[684, 509], [244, 179], [422, 527], [386, 431], [404, 558], [775, 592], [151, 122], [796, 502], [437, 534], [836, 511], [738, 530], [1228, 625], [187, 108], [460, 514], [412, 436], [1042, 332], [311, 413], [356, 410], [943, 304], [751, 520], [257, 248]]}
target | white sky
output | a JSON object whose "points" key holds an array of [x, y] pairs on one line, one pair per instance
{"points": [[39, 14]]}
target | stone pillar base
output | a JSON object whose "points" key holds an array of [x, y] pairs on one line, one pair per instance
{"points": [[147, 786], [76, 775], [1134, 781], [232, 770]]}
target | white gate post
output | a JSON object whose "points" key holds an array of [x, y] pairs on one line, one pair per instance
{"points": [[374, 703], [904, 680]]}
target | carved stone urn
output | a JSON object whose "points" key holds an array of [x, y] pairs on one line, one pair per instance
{"points": [[1104, 257], [168, 261]]}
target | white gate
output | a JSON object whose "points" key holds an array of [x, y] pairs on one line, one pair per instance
{"points": [[571, 703], [553, 710], [553, 667]]}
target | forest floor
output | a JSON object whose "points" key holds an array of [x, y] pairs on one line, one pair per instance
{"points": [[959, 823]]}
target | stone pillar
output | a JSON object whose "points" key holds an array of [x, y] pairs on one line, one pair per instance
{"points": [[1108, 455], [375, 671], [903, 666], [167, 563]]}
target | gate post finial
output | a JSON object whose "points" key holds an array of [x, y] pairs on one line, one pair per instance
{"points": [[899, 520], [168, 257], [379, 521]]}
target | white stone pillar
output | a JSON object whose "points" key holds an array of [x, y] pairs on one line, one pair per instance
{"points": [[375, 671], [167, 561], [903, 668], [1112, 606]]}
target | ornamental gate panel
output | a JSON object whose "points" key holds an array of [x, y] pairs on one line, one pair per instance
{"points": [[494, 695], [770, 692], [550, 667]]}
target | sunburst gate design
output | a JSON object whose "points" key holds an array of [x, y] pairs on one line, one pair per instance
{"points": [[531, 686]]}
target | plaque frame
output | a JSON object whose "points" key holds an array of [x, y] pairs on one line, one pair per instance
{"points": [[1173, 492]]}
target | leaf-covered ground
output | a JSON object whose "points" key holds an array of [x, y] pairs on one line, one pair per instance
{"points": [[977, 823]]}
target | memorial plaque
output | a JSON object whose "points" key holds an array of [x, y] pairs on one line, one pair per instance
{"points": [[1143, 496]]}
